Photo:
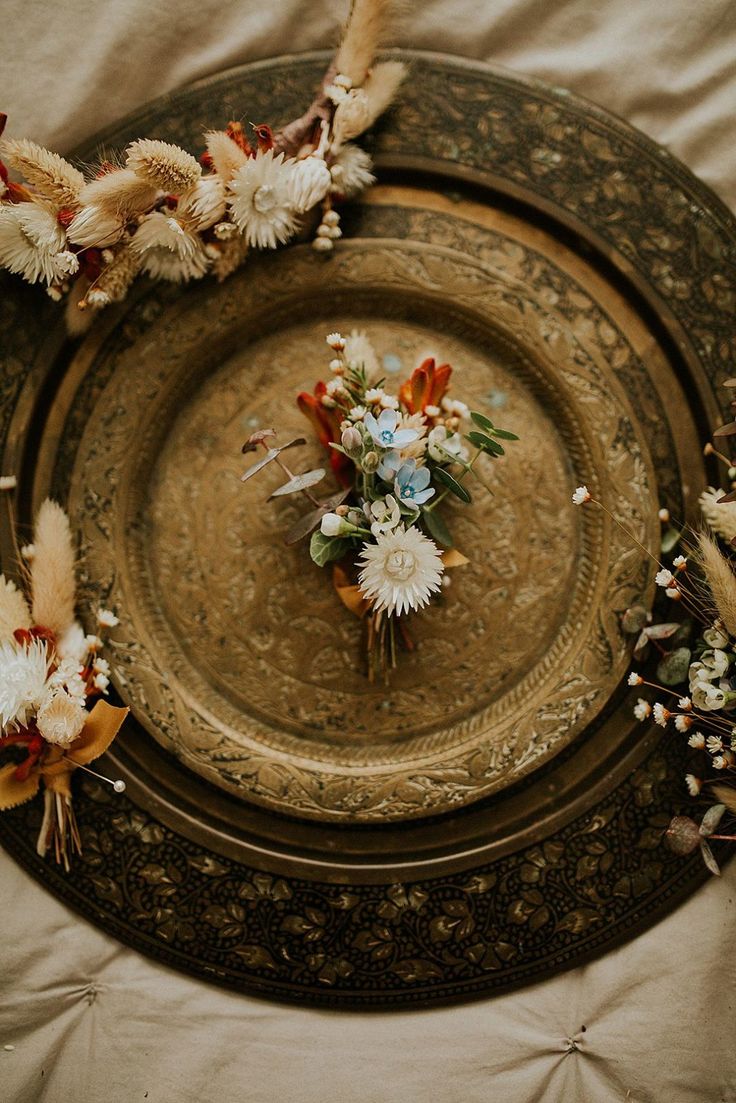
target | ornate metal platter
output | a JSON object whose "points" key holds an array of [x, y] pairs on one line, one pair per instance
{"points": [[493, 815]]}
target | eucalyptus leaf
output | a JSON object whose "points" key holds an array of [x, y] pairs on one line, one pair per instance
{"points": [[480, 440], [452, 484], [709, 858], [673, 668], [504, 434], [711, 819], [310, 520], [437, 528], [481, 420], [300, 482], [323, 549]]}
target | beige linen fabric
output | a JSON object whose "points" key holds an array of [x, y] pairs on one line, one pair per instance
{"points": [[92, 1021]]}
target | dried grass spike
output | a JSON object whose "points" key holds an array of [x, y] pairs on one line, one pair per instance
{"points": [[382, 85], [721, 580], [14, 611], [119, 274], [167, 166], [52, 570], [365, 30], [49, 173], [120, 192], [227, 156], [726, 794]]}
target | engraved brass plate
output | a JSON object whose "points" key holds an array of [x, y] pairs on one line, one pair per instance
{"points": [[494, 814]]}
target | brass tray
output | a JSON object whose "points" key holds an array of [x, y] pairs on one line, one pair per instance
{"points": [[495, 814]]}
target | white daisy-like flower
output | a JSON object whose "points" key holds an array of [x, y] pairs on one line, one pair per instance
{"points": [[60, 719], [683, 723], [664, 578], [389, 402], [101, 666], [168, 250], [679, 562], [101, 682], [642, 709], [721, 516], [694, 784], [454, 408], [30, 240], [581, 496], [714, 744], [337, 366], [374, 394], [719, 762], [107, 619], [634, 679], [336, 341], [8, 482], [94, 643], [351, 170], [260, 200], [204, 204], [685, 704], [674, 593], [400, 571], [661, 715], [309, 182], [383, 515], [23, 672], [357, 413], [697, 740], [335, 386]]}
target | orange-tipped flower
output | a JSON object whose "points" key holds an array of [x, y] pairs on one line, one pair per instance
{"points": [[426, 387]]}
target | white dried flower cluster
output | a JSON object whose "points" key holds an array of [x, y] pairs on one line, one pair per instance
{"points": [[720, 516], [163, 215]]}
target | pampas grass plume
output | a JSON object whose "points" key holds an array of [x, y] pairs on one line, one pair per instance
{"points": [[365, 31], [721, 580], [14, 611], [52, 570]]}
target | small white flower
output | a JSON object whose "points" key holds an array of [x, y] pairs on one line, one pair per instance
{"points": [[716, 636], [685, 704], [383, 515], [714, 744], [454, 408], [635, 679], [373, 395], [717, 660], [683, 723], [73, 645], [351, 170], [719, 762], [94, 643], [60, 719], [101, 666], [107, 619], [261, 201], [443, 446], [581, 496], [674, 593], [680, 562], [101, 682], [337, 366], [335, 386], [168, 250], [336, 341], [661, 715], [694, 784], [697, 740], [642, 709], [360, 353], [23, 671], [30, 240], [432, 411], [389, 402], [664, 578], [8, 482], [358, 413], [400, 571]]}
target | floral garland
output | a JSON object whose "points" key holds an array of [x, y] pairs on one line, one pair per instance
{"points": [[397, 457], [694, 675], [163, 213], [50, 671]]}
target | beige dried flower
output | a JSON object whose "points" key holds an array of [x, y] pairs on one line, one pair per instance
{"points": [[351, 170], [167, 250], [227, 156], [116, 277], [167, 166], [261, 200], [366, 28], [227, 256], [53, 177], [95, 227], [721, 517], [30, 240], [14, 611], [60, 719], [53, 583], [203, 205], [120, 193]]}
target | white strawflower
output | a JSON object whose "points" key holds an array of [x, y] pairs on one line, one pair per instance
{"points": [[661, 715], [336, 341], [168, 250], [309, 182], [107, 619], [683, 723], [60, 719], [23, 670], [351, 170], [685, 704], [720, 517], [581, 496], [204, 204], [694, 784], [101, 682], [664, 578], [634, 679], [680, 562], [719, 762], [30, 239], [400, 571], [261, 200], [95, 227], [642, 709], [714, 744], [697, 740]]}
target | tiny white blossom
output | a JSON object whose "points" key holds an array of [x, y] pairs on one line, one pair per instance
{"points": [[106, 618], [389, 402], [336, 341], [101, 682], [716, 637], [719, 762], [28, 551], [714, 744], [581, 496], [661, 715], [685, 704], [694, 784], [432, 411], [374, 394], [664, 516], [358, 413], [642, 709], [680, 562], [664, 577], [337, 366], [335, 386], [682, 723], [94, 643], [635, 679], [673, 592], [697, 740], [101, 666]]}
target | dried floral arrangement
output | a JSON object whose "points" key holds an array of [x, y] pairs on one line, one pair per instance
{"points": [[694, 654], [397, 458], [161, 212], [50, 672]]}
